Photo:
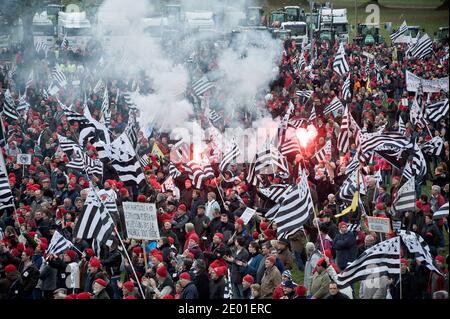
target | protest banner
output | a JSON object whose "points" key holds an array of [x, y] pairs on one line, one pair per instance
{"points": [[247, 215], [413, 82], [379, 224], [141, 221]]}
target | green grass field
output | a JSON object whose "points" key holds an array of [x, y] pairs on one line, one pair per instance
{"points": [[415, 12]]}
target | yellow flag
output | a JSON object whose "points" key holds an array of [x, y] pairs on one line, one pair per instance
{"points": [[368, 88], [157, 151]]}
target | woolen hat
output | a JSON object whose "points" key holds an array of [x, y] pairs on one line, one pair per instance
{"points": [[272, 259], [10, 268], [129, 285], [249, 279], [94, 262], [185, 275], [84, 295], [162, 271], [101, 282], [72, 254]]}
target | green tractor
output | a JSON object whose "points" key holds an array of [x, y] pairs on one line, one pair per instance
{"points": [[367, 34]]}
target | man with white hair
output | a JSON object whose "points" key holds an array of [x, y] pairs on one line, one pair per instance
{"points": [[313, 255], [370, 193], [436, 198]]}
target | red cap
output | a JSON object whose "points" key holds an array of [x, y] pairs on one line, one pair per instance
{"points": [[263, 226], [255, 235], [141, 199], [84, 295], [101, 282], [440, 259], [185, 276], [342, 224], [129, 285], [70, 297], [220, 271], [380, 206], [321, 262], [89, 252], [249, 279], [137, 250], [95, 262], [219, 235], [171, 240], [272, 259], [10, 268], [123, 192], [29, 251], [71, 253], [240, 221], [162, 271], [182, 207], [404, 261]]}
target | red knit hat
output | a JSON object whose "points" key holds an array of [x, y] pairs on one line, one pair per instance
{"points": [[249, 279], [29, 251], [182, 207], [255, 235], [129, 285], [190, 255], [321, 262], [70, 297], [272, 259], [137, 250], [141, 198], [440, 259], [263, 226], [220, 271], [162, 271], [84, 295], [219, 235], [342, 224], [123, 192], [101, 282], [240, 221], [171, 240], [72, 254], [95, 262], [185, 275], [10, 268], [89, 252]]}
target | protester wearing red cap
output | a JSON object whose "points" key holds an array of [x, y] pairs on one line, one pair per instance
{"points": [[345, 245], [84, 295], [320, 280], [128, 289], [217, 282], [247, 281], [189, 289], [271, 278], [99, 289]]}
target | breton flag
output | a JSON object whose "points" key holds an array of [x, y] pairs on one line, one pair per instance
{"points": [[437, 110], [422, 48], [419, 164], [229, 157], [268, 161], [401, 126], [416, 115], [201, 86], [213, 116], [65, 42], [58, 76], [406, 198], [198, 173], [80, 161], [301, 62], [173, 171], [6, 196], [344, 134], [295, 209], [105, 111], [304, 95], [30, 80], [94, 221], [379, 260], [23, 103], [434, 146], [312, 116], [66, 144], [41, 46], [296, 123], [100, 128], [346, 94], [402, 29], [340, 65], [290, 146], [58, 244], [369, 142], [349, 188], [353, 165], [9, 106], [109, 200], [334, 106], [168, 185], [144, 160], [441, 212], [326, 149], [415, 244], [276, 192]]}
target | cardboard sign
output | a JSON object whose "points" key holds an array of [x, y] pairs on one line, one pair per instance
{"points": [[397, 225], [24, 159], [141, 221], [247, 215], [379, 224]]}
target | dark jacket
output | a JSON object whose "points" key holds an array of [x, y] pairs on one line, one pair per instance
{"points": [[409, 287], [201, 281], [337, 296], [253, 264], [216, 288], [11, 287], [101, 295], [112, 262], [48, 275], [30, 277], [237, 272], [189, 291], [345, 248]]}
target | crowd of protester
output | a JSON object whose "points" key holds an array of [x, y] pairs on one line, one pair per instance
{"points": [[205, 250]]}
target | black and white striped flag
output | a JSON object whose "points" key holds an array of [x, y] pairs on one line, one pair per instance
{"points": [[213, 116], [304, 95], [301, 62], [23, 103], [58, 244], [9, 106], [268, 161], [369, 142], [58, 76], [441, 212], [295, 209], [437, 110], [419, 164], [406, 197], [340, 65], [434, 146], [94, 221], [379, 260], [422, 48], [6, 196], [344, 134], [198, 173], [80, 161], [144, 160], [348, 187], [312, 116], [228, 291], [334, 106], [201, 86], [416, 115], [173, 171], [326, 149], [401, 126], [276, 192], [41, 46], [353, 165], [346, 92], [296, 123], [290, 146], [30, 80], [105, 111], [402, 29], [229, 157]]}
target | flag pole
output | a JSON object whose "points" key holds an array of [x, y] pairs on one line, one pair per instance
{"points": [[400, 269]]}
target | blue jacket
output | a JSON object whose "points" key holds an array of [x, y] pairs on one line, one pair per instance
{"points": [[346, 249], [190, 291], [253, 265]]}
